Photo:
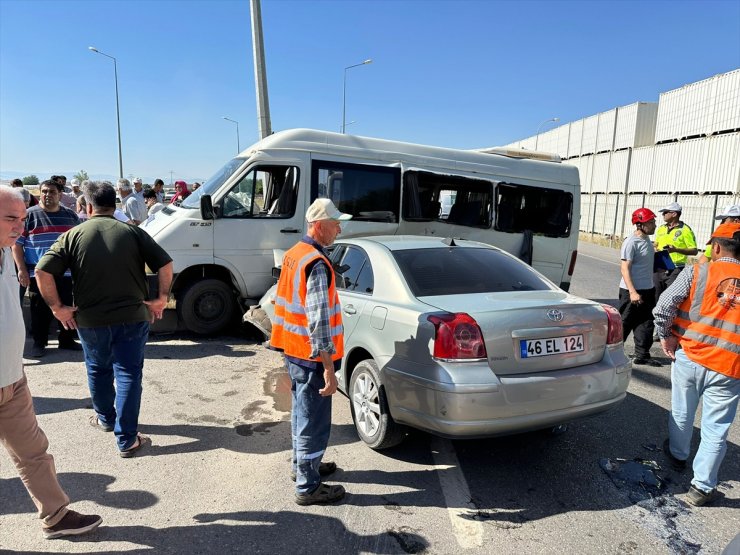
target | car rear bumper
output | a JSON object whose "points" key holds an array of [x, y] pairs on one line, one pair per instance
{"points": [[507, 404]]}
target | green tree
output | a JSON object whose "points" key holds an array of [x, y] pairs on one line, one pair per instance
{"points": [[30, 180], [81, 175]]}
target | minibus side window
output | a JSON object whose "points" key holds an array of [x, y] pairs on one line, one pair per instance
{"points": [[264, 192], [447, 198], [543, 211], [369, 193]]}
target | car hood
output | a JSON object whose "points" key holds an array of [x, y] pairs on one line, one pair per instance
{"points": [[507, 319]]}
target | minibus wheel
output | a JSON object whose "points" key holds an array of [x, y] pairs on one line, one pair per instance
{"points": [[207, 306]]}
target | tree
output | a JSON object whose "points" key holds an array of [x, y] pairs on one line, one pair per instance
{"points": [[30, 180], [81, 176]]}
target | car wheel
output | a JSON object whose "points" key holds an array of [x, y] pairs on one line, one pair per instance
{"points": [[207, 306], [369, 406]]}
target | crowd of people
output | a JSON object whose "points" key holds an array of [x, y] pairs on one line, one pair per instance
{"points": [[102, 307], [694, 311]]}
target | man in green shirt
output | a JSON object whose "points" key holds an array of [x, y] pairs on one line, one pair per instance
{"points": [[107, 259], [678, 240]]}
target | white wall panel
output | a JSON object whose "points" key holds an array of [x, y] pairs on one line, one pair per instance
{"points": [[585, 171], [635, 125], [528, 143], [726, 113], [633, 203], [546, 141], [588, 140], [600, 173], [698, 213], [576, 135], [618, 171], [722, 172], [669, 119], [696, 112], [690, 161], [641, 170], [585, 211], [598, 214], [664, 168], [605, 134], [563, 135]]}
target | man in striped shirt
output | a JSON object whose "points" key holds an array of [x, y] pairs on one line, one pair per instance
{"points": [[44, 223]]}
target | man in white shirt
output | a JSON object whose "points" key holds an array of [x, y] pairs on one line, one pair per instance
{"points": [[19, 429], [134, 208]]}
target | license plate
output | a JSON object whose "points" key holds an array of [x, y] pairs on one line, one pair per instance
{"points": [[554, 346]]}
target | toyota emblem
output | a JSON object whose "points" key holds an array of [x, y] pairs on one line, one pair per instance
{"points": [[555, 315]]}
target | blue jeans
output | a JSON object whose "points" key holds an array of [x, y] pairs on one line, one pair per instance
{"points": [[116, 353], [720, 394], [310, 425]]}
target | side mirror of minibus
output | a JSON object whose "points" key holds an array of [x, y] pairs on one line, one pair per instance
{"points": [[206, 207]]}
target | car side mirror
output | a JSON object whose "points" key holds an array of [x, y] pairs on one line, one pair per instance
{"points": [[206, 208]]}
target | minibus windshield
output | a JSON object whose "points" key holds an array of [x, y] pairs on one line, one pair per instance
{"points": [[213, 183]]}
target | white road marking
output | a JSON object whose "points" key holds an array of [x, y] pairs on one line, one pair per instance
{"points": [[599, 259], [468, 532]]}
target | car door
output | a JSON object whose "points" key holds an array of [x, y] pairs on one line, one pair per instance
{"points": [[263, 211], [355, 282]]}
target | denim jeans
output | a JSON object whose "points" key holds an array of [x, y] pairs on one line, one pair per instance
{"points": [[310, 424], [116, 353], [720, 394]]}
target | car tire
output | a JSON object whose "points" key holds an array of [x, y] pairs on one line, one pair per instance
{"points": [[207, 306], [369, 407]]}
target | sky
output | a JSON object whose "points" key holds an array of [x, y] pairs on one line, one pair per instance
{"points": [[462, 74]]}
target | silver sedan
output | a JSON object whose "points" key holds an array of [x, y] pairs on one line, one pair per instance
{"points": [[463, 340]]}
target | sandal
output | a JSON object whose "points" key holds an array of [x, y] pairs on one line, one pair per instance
{"points": [[322, 494], [95, 422], [325, 469], [140, 443]]}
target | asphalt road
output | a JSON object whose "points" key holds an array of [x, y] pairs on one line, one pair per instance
{"points": [[216, 479]]}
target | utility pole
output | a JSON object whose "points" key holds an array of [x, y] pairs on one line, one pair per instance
{"points": [[260, 72], [171, 172]]}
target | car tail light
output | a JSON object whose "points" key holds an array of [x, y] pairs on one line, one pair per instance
{"points": [[614, 331], [572, 266], [457, 337]]}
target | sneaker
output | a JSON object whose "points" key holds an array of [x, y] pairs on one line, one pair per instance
{"points": [[95, 422], [322, 494], [325, 469], [73, 524], [677, 464], [699, 498], [38, 350], [70, 346], [647, 362]]}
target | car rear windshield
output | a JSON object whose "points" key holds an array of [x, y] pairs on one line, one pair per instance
{"points": [[461, 270]]}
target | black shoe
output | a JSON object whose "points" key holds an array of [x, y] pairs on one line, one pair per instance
{"points": [[73, 524], [38, 350], [322, 494], [325, 469], [647, 362], [677, 464], [70, 345], [699, 498]]}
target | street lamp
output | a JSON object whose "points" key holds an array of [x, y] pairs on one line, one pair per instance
{"points": [[344, 89], [537, 139], [238, 144], [118, 114]]}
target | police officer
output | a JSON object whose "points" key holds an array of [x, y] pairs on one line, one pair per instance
{"points": [[678, 240]]}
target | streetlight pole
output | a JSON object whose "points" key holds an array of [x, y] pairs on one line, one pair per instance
{"points": [[118, 113], [537, 138], [238, 144], [171, 172], [344, 90]]}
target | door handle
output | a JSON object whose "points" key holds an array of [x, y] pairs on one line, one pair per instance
{"points": [[290, 230], [349, 309]]}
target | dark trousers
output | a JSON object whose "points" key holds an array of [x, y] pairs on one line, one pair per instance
{"points": [[638, 319], [41, 315], [663, 279]]}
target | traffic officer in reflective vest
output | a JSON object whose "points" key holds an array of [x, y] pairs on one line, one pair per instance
{"points": [[307, 327], [676, 238], [698, 321]]}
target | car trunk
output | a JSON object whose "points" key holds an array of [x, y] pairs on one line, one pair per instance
{"points": [[533, 331]]}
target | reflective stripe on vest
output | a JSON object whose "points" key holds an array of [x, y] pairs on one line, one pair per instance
{"points": [[290, 324], [708, 320]]}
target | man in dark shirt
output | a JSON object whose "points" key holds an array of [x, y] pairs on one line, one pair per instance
{"points": [[112, 317]]}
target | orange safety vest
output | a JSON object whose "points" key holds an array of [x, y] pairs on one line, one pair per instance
{"points": [[290, 324], [708, 320]]}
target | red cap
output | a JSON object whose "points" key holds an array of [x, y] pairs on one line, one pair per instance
{"points": [[726, 231]]}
